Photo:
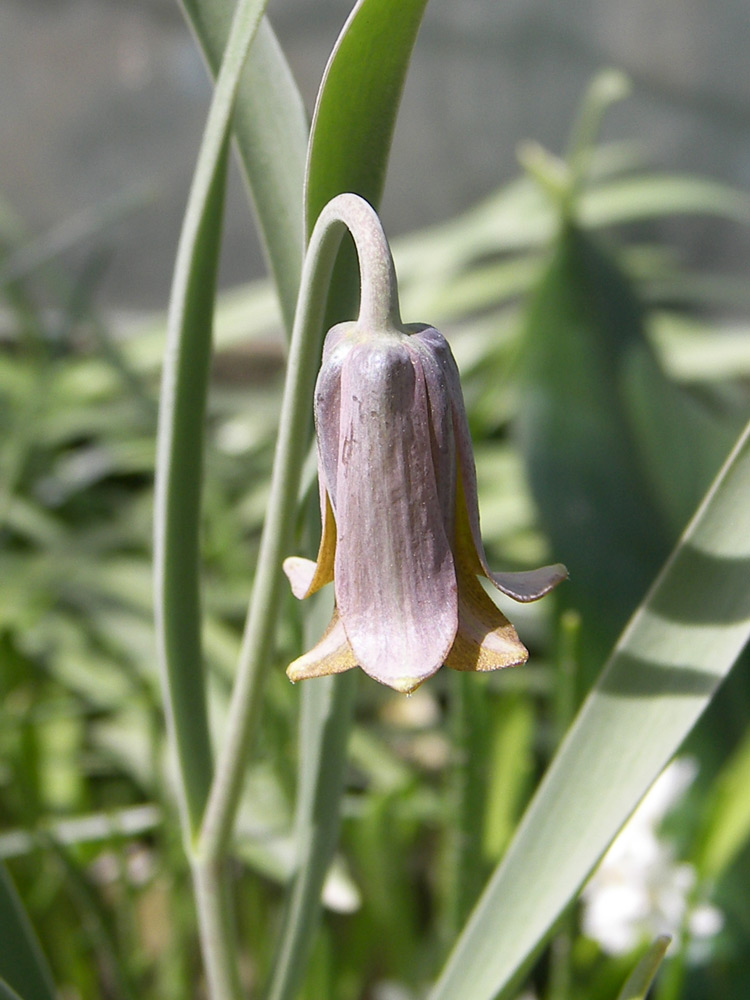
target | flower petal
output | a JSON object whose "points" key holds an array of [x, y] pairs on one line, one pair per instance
{"points": [[301, 573], [332, 655], [486, 640], [306, 576], [337, 345], [523, 586], [394, 572], [431, 352], [531, 584]]}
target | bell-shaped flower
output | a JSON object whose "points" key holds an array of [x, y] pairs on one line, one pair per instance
{"points": [[401, 539]]}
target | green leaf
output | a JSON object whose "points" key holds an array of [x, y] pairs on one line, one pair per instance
{"points": [[595, 503], [679, 440], [271, 130], [7, 992], [637, 984], [179, 464], [354, 118], [22, 964], [665, 669], [358, 101], [635, 198], [727, 816]]}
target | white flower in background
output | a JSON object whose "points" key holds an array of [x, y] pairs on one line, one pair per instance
{"points": [[639, 889]]}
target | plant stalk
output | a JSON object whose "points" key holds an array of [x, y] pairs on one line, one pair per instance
{"points": [[379, 305]]}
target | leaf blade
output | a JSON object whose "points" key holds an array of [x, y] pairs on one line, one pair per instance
{"points": [[359, 99], [179, 464], [637, 984], [22, 964], [270, 125], [671, 658]]}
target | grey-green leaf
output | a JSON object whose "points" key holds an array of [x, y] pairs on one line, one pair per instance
{"points": [[271, 129], [358, 101], [355, 114], [179, 463], [665, 669]]}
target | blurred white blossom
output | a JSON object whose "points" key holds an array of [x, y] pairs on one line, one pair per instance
{"points": [[640, 890]]}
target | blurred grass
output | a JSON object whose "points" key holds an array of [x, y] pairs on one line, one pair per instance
{"points": [[81, 739]]}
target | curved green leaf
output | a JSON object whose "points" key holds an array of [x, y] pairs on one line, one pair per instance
{"points": [[358, 101], [179, 463], [630, 199], [354, 118], [271, 130], [22, 964], [676, 650]]}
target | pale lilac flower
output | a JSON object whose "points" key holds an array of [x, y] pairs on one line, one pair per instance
{"points": [[401, 536]]}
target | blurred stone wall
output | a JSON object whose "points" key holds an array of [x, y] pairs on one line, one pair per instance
{"points": [[100, 97]]}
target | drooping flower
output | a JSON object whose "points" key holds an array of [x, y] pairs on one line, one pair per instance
{"points": [[398, 498]]}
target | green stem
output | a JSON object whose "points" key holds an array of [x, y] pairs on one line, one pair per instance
{"points": [[566, 704], [216, 927], [379, 305], [324, 726], [179, 460], [468, 795], [607, 88], [179, 474]]}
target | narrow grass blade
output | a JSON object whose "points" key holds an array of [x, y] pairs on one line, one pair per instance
{"points": [[271, 129], [23, 967], [637, 984], [726, 828], [358, 100], [668, 663], [180, 443], [629, 199]]}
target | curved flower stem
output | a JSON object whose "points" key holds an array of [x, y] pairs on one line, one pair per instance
{"points": [[379, 305]]}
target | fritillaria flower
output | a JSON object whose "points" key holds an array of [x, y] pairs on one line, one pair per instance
{"points": [[400, 537]]}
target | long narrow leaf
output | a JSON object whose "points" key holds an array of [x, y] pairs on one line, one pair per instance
{"points": [[271, 130], [22, 964], [638, 982], [355, 114], [181, 420], [669, 662], [358, 101]]}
